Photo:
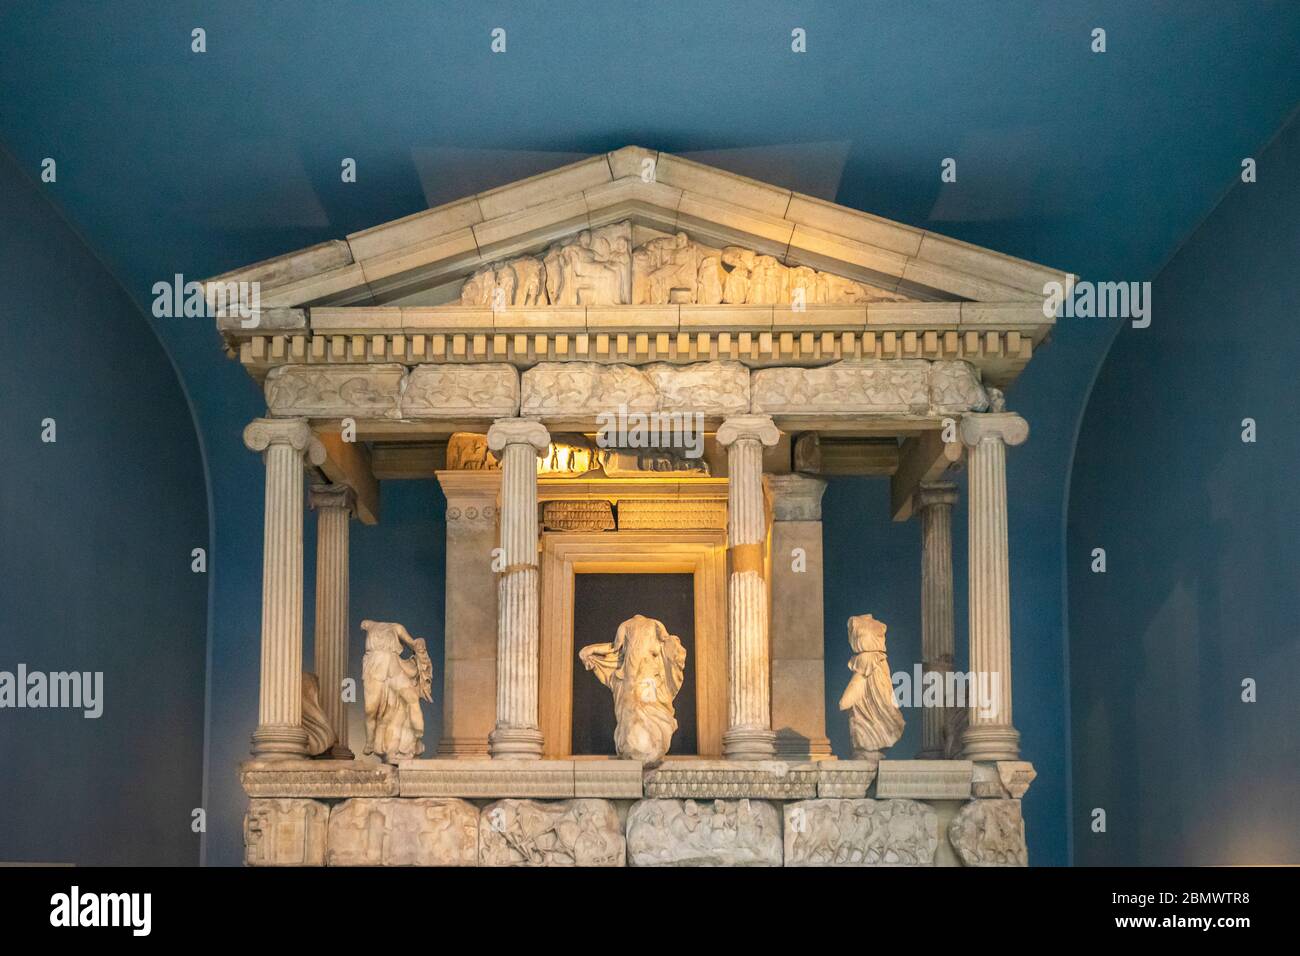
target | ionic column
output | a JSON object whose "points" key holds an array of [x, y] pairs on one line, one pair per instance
{"points": [[283, 443], [517, 442], [990, 734], [934, 506], [334, 506], [749, 733]]}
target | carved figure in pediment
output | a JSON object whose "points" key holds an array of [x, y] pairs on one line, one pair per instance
{"points": [[600, 267], [591, 268]]}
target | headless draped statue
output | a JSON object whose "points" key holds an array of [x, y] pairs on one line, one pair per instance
{"points": [[875, 722], [394, 686], [644, 667]]}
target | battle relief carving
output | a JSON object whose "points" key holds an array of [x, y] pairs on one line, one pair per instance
{"points": [[851, 387], [601, 267], [577, 388]]}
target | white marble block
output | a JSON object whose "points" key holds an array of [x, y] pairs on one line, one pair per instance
{"points": [[860, 833], [334, 391], [703, 833], [400, 832], [583, 832], [285, 832], [989, 833], [484, 390], [856, 386], [559, 389]]}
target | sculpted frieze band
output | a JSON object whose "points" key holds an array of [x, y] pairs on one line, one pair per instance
{"points": [[601, 267], [571, 389]]}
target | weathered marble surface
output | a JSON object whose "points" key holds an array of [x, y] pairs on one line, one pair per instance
{"points": [[732, 779], [860, 833], [438, 391], [320, 735], [955, 387], [1016, 776], [333, 391], [317, 778], [845, 778], [643, 667], [487, 778], [712, 833], [487, 390], [854, 386], [588, 388], [875, 721], [285, 832], [580, 832], [989, 833], [600, 267], [398, 832], [925, 779], [394, 686]]}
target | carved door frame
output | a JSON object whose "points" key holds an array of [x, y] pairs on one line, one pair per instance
{"points": [[565, 554]]}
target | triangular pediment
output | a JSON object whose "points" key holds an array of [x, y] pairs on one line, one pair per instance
{"points": [[424, 260]]}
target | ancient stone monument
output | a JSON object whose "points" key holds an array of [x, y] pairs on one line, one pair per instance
{"points": [[609, 373]]}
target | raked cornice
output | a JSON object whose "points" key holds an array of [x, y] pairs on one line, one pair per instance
{"points": [[352, 300]]}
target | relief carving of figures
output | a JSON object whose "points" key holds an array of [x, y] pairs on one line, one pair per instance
{"points": [[584, 832], [989, 833], [320, 735], [875, 722], [703, 833], [860, 833], [600, 267], [644, 667], [394, 686]]}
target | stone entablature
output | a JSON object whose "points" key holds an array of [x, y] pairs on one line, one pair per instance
{"points": [[997, 338], [578, 391], [691, 777]]}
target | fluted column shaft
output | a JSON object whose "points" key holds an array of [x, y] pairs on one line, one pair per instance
{"points": [[990, 734], [517, 442], [934, 505], [283, 444], [749, 734], [334, 506]]}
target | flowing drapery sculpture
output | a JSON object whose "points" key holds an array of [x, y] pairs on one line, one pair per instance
{"points": [[320, 735], [394, 686], [875, 722], [644, 667]]}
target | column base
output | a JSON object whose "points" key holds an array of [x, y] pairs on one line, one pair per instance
{"points": [[990, 742], [340, 753], [515, 743], [279, 742], [749, 743]]}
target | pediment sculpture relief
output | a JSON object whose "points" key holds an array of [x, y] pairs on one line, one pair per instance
{"points": [[601, 267]]}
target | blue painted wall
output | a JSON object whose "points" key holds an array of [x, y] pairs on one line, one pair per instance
{"points": [[1200, 532], [96, 531]]}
